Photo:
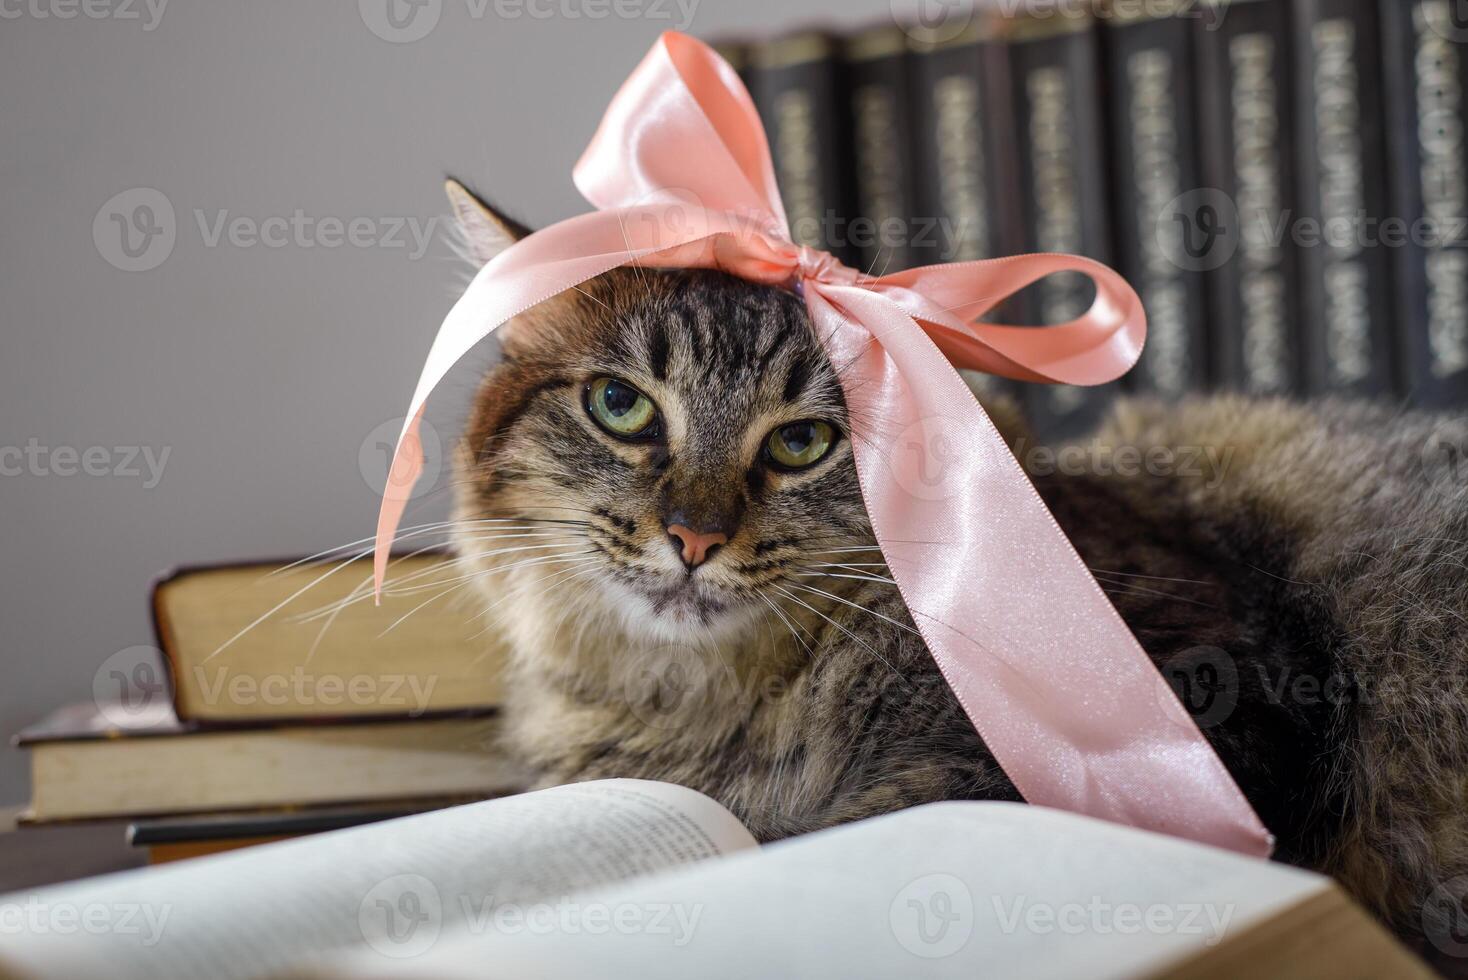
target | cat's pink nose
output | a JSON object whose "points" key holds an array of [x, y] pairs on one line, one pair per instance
{"points": [[696, 547]]}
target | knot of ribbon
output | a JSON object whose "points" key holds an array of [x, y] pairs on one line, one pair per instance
{"points": [[1057, 686]]}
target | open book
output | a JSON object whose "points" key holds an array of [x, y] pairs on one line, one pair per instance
{"points": [[627, 878]]}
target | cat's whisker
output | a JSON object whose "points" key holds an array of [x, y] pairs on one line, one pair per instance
{"points": [[479, 573], [790, 626], [562, 576], [285, 602], [856, 578], [859, 608], [1157, 578], [470, 580], [1134, 589], [843, 629]]}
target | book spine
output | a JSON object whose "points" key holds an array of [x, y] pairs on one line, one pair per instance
{"points": [[1425, 65], [966, 166], [1344, 267], [1247, 197], [967, 170], [1155, 172], [882, 232], [1058, 131], [798, 86]]}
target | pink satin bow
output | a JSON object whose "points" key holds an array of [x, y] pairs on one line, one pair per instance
{"points": [[1058, 687]]}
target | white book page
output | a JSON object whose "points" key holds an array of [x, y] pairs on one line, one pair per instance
{"points": [[393, 886], [948, 890]]}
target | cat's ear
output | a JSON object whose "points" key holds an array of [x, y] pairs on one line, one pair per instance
{"points": [[486, 232]]}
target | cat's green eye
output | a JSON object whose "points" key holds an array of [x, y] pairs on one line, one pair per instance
{"points": [[621, 409], [800, 444]]}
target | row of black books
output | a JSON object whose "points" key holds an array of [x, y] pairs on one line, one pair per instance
{"points": [[1283, 181]]}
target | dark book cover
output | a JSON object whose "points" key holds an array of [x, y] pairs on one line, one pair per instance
{"points": [[882, 233], [1058, 131], [1345, 268], [1237, 226], [1155, 172], [967, 169], [799, 86], [1425, 63]]}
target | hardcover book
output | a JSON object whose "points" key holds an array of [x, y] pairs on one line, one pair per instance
{"points": [[883, 234], [1345, 275], [94, 761], [1426, 69], [1064, 190], [1155, 170], [1242, 217], [266, 642], [799, 86]]}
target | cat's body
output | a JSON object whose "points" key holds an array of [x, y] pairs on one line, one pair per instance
{"points": [[1297, 572]]}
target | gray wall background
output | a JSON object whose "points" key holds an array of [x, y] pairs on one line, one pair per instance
{"points": [[261, 370]]}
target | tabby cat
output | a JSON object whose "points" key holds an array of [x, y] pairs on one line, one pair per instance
{"points": [[701, 599]]}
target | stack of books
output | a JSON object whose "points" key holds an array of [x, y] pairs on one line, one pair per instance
{"points": [[289, 704], [1284, 181]]}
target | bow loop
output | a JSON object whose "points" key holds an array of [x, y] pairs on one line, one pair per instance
{"points": [[683, 120]]}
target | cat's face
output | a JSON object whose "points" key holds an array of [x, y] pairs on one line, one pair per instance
{"points": [[682, 439]]}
